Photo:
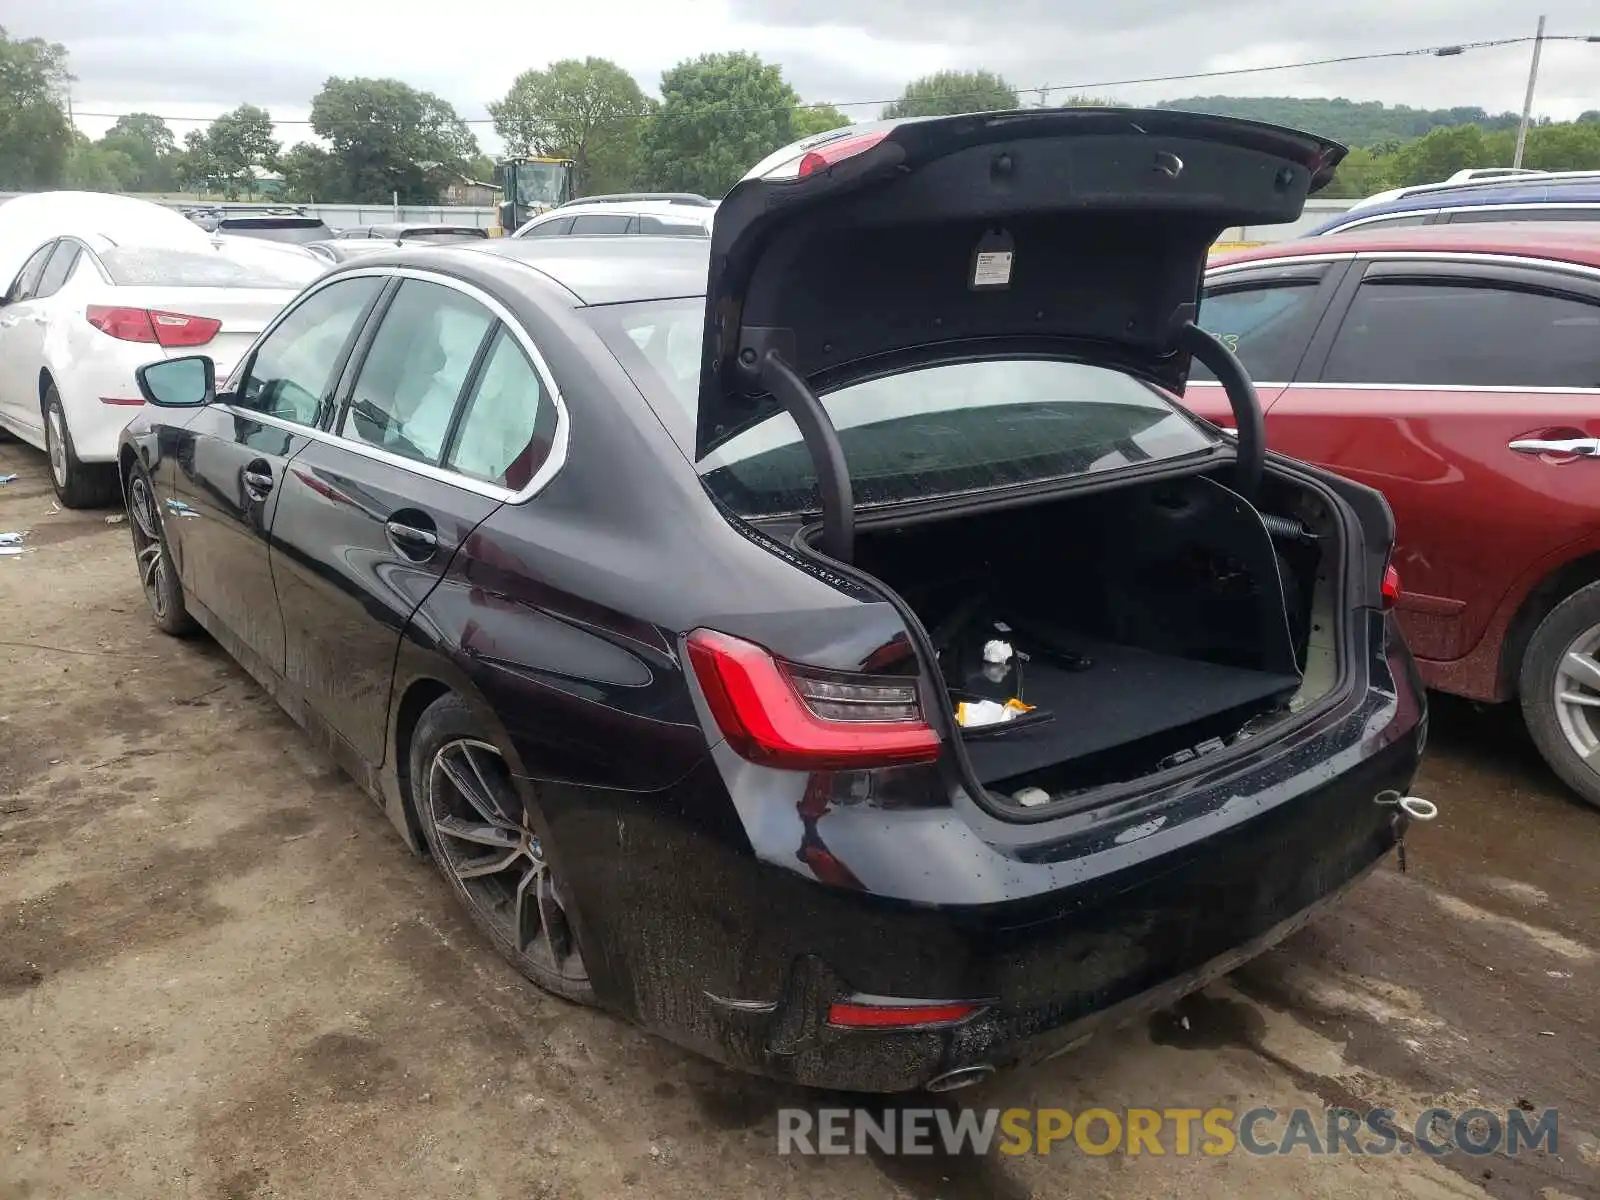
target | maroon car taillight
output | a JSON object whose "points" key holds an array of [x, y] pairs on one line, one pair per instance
{"points": [[1391, 587], [783, 715]]}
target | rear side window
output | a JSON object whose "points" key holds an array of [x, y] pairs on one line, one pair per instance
{"points": [[27, 280], [505, 430], [1407, 332], [1268, 325], [412, 377], [292, 374], [600, 223], [1399, 222], [665, 226], [58, 271], [1565, 212]]}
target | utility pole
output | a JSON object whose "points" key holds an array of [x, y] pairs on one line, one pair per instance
{"points": [[1527, 101]]}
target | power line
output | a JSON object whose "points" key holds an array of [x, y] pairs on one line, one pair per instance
{"points": [[1449, 50]]}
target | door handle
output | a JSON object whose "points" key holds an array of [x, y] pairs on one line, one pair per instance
{"points": [[1581, 447], [258, 480], [418, 545]]}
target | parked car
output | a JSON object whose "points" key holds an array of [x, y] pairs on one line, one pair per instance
{"points": [[1456, 369], [665, 214], [103, 288], [343, 249], [871, 739], [1573, 196], [1467, 175], [423, 231]]}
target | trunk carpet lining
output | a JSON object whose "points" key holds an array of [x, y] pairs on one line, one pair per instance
{"points": [[1127, 694]]}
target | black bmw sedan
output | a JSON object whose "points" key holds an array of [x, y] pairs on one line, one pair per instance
{"points": [[833, 647]]}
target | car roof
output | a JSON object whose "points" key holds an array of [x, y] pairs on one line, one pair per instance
{"points": [[1523, 189], [1562, 241], [592, 270], [629, 208]]}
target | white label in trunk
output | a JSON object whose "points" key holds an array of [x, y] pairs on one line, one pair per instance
{"points": [[992, 268]]}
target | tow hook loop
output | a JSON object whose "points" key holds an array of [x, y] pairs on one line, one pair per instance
{"points": [[1411, 808]]}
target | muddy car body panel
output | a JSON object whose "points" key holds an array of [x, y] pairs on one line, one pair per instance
{"points": [[818, 897]]}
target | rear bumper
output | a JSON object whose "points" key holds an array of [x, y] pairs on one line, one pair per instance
{"points": [[717, 936]]}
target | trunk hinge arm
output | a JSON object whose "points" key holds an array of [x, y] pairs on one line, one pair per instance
{"points": [[1242, 398], [827, 455]]}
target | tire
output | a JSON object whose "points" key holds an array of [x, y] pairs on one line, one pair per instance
{"points": [[158, 577], [513, 878], [78, 484], [1562, 731]]}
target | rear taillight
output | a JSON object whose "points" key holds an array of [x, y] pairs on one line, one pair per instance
{"points": [[782, 715], [1391, 587], [165, 329], [826, 155]]}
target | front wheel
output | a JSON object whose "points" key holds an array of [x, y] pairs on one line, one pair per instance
{"points": [[492, 850], [1560, 688], [77, 484]]}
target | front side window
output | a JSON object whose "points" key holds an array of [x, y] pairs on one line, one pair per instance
{"points": [[293, 373], [505, 430], [1410, 332], [406, 392], [1268, 325], [932, 431], [553, 228]]}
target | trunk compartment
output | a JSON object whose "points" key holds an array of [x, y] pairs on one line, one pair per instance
{"points": [[1148, 625]]}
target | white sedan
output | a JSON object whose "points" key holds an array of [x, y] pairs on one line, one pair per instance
{"points": [[106, 284]]}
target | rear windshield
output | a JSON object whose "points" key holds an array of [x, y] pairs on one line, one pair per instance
{"points": [[934, 431], [277, 229], [444, 231], [168, 267]]}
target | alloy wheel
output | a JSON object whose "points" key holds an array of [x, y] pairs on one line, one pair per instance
{"points": [[1577, 696], [57, 439], [496, 857], [149, 546]]}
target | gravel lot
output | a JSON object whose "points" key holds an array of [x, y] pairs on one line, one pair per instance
{"points": [[221, 975]]}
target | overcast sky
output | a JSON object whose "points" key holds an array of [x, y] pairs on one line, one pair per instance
{"points": [[196, 58]]}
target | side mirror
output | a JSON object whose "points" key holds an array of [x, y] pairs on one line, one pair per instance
{"points": [[178, 382]]}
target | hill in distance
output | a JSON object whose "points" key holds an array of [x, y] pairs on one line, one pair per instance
{"points": [[1353, 122]]}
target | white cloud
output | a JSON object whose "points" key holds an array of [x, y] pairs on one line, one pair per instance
{"points": [[195, 58]]}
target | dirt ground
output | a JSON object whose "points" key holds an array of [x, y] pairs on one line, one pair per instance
{"points": [[222, 976]]}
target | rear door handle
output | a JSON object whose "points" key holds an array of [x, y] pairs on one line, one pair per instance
{"points": [[1582, 447], [412, 542]]}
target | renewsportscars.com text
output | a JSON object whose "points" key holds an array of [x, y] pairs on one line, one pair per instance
{"points": [[1163, 1131]]}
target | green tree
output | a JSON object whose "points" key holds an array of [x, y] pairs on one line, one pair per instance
{"points": [[817, 118], [1362, 173], [388, 137], [590, 111], [1440, 154], [947, 92], [192, 169], [312, 173], [35, 136], [146, 142], [720, 114], [93, 167], [239, 142], [1572, 146]]}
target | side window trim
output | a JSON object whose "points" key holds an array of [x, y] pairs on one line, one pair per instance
{"points": [[43, 254], [560, 437], [344, 383]]}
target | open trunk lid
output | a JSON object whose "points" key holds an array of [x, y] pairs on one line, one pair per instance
{"points": [[1078, 232]]}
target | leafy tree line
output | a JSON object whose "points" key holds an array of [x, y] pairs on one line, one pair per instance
{"points": [[716, 115]]}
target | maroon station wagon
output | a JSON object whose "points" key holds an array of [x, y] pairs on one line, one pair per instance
{"points": [[1457, 370]]}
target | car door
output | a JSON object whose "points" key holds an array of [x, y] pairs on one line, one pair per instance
{"points": [[22, 345], [1266, 314], [371, 517], [227, 466], [1443, 383]]}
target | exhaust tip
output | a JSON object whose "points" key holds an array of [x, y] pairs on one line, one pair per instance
{"points": [[959, 1078]]}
